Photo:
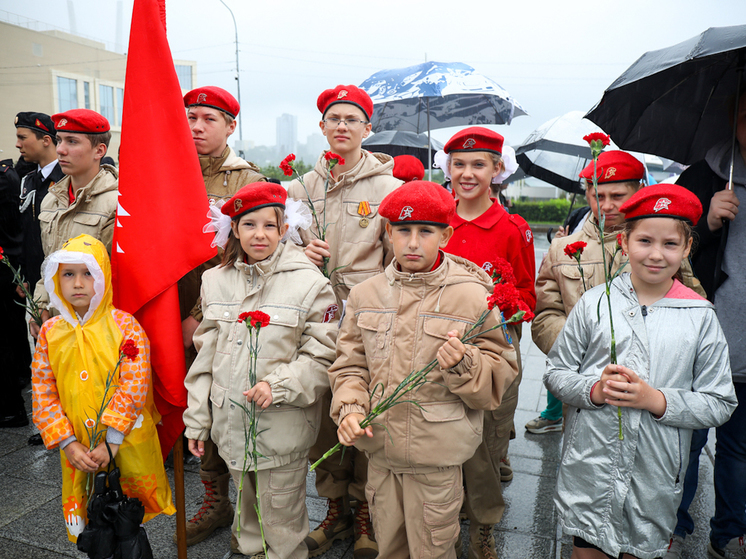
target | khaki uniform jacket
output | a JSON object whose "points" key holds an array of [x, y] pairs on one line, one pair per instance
{"points": [[295, 351], [357, 241], [223, 176], [93, 212], [394, 324], [559, 285]]}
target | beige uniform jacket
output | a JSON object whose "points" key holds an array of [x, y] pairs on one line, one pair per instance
{"points": [[356, 236], [394, 325], [295, 351], [93, 212], [559, 285], [223, 176]]}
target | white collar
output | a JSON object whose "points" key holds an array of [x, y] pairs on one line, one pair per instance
{"points": [[47, 169]]}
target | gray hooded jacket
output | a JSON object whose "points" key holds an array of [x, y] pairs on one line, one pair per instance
{"points": [[622, 495]]}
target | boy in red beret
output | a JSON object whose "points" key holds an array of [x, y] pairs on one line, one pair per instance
{"points": [[211, 112], [357, 248], [484, 233], [396, 323], [85, 201]]}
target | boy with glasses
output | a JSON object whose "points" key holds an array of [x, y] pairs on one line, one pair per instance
{"points": [[357, 248]]}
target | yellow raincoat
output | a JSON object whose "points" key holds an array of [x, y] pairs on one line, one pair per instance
{"points": [[74, 355]]}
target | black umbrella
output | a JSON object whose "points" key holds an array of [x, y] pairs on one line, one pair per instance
{"points": [[675, 102], [399, 142]]}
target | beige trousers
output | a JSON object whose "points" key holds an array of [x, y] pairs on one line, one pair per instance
{"points": [[337, 476], [483, 502], [282, 496], [414, 510]]}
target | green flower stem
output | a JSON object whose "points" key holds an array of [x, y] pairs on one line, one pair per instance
{"points": [[607, 278], [31, 305], [414, 380]]}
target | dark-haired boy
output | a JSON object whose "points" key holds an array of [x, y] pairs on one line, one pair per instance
{"points": [[36, 139], [396, 323], [85, 200]]}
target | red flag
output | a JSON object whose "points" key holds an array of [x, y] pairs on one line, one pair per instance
{"points": [[162, 208]]}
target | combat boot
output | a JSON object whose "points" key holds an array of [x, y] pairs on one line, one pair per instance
{"points": [[336, 526], [481, 541], [365, 540], [216, 511]]}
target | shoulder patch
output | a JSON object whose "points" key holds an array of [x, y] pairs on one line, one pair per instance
{"points": [[330, 313], [526, 234]]}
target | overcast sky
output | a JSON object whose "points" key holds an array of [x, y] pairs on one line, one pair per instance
{"points": [[552, 56]]}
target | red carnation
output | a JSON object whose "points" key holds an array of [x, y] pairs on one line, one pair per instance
{"points": [[130, 349], [528, 316], [1, 253], [254, 319], [502, 271], [505, 297], [574, 250], [286, 165], [334, 159], [598, 137]]}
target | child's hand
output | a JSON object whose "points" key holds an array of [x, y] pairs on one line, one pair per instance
{"points": [[350, 431], [101, 456], [77, 455], [197, 448], [261, 393], [630, 391], [34, 328], [317, 250], [452, 352]]}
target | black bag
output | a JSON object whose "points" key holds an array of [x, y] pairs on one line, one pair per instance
{"points": [[114, 520]]}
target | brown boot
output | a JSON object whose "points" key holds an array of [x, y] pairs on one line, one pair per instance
{"points": [[481, 541], [365, 540], [216, 510], [336, 526]]}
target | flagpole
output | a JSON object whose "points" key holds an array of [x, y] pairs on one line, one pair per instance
{"points": [[238, 74], [181, 547]]}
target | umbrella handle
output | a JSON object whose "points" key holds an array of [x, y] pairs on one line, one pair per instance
{"points": [[739, 73]]}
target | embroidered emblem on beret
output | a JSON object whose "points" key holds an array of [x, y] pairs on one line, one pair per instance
{"points": [[661, 204], [610, 172], [201, 98], [406, 212], [237, 205], [342, 94], [469, 143], [62, 123]]}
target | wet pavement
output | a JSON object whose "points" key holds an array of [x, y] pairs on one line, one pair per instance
{"points": [[31, 523]]}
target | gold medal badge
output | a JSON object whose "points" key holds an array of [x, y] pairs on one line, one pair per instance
{"points": [[363, 210]]}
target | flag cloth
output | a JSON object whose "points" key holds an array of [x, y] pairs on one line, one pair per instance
{"points": [[162, 208]]}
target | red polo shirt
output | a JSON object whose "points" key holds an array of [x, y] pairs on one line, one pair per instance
{"points": [[498, 233]]}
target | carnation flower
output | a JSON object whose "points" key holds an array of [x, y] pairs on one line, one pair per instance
{"points": [[286, 165], [130, 349], [254, 319], [334, 159], [502, 271], [574, 250], [598, 141]]}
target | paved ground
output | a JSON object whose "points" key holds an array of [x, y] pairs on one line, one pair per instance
{"points": [[31, 524]]}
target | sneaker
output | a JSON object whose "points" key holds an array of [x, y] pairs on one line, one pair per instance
{"points": [[675, 547], [336, 526], [541, 425], [736, 549], [506, 471]]}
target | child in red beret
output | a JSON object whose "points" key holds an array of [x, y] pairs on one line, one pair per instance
{"points": [[397, 322], [357, 248], [85, 201], [619, 495], [483, 233], [211, 113], [259, 272]]}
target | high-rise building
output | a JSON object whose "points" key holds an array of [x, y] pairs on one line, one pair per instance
{"points": [[287, 134]]}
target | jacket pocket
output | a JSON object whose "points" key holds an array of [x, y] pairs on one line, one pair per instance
{"points": [[217, 395], [359, 228], [435, 329], [88, 219], [376, 330], [225, 315], [445, 425]]}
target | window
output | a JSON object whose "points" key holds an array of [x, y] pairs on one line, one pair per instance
{"points": [[184, 73], [87, 94], [67, 93], [120, 104], [106, 102]]}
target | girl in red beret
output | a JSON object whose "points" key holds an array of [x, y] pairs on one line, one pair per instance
{"points": [[618, 490], [483, 233], [260, 272]]}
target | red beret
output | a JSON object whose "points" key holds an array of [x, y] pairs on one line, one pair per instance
{"points": [[215, 97], [345, 94], [419, 202], [663, 200], [408, 168], [82, 121], [255, 196], [475, 138], [614, 166]]}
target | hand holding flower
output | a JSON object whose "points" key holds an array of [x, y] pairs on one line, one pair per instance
{"points": [[452, 352], [350, 431], [317, 250], [101, 456], [77, 454], [627, 390], [261, 393]]}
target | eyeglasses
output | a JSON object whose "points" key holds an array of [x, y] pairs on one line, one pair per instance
{"points": [[351, 123]]}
